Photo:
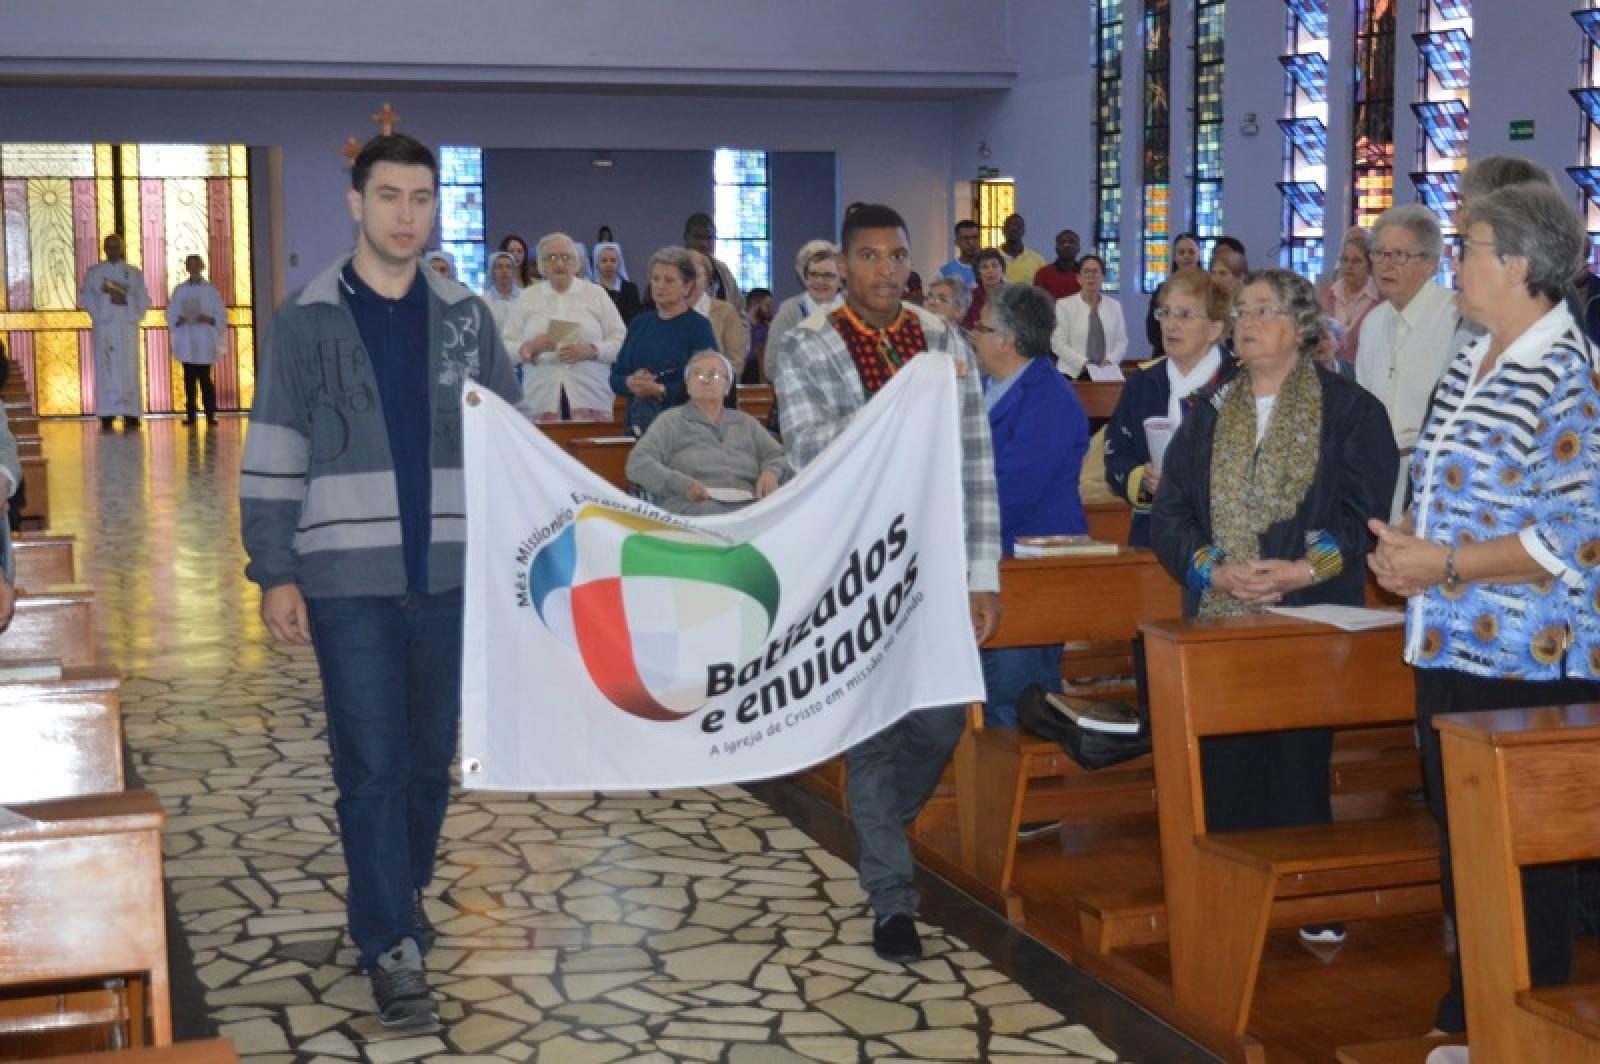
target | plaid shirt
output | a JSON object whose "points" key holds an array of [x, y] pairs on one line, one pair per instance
{"points": [[818, 391]]}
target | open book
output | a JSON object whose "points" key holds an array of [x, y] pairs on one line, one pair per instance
{"points": [[1112, 717]]}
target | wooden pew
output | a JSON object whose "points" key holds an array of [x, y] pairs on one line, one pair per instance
{"points": [[56, 624], [1005, 777], [1520, 790], [755, 400], [562, 433], [29, 446], [1259, 673], [1109, 520], [80, 899], [44, 560], [210, 1051], [1099, 398], [608, 458], [61, 737], [36, 475]]}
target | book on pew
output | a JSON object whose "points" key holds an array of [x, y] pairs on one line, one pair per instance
{"points": [[1061, 546], [30, 671], [1113, 718]]}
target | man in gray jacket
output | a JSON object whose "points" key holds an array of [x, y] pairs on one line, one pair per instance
{"points": [[353, 515]]}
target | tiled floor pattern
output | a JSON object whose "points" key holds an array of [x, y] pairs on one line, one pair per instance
{"points": [[695, 925]]}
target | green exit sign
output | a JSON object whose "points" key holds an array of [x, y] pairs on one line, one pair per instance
{"points": [[1522, 129]]}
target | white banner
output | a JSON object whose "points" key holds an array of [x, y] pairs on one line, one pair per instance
{"points": [[611, 645]]}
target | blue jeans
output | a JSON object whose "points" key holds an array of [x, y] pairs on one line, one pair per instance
{"points": [[391, 680], [1007, 672]]}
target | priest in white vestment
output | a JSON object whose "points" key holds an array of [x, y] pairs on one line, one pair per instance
{"points": [[116, 299], [198, 322]]}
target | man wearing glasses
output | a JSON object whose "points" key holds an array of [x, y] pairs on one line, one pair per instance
{"points": [[1407, 340]]}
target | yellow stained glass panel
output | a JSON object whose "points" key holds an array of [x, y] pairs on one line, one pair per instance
{"points": [[183, 160], [245, 346], [105, 207], [46, 160], [34, 320], [55, 281], [187, 225], [242, 287], [57, 387]]}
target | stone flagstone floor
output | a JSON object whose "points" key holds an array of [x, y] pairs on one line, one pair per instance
{"points": [[691, 925]]}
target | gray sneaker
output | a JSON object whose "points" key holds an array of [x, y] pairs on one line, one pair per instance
{"points": [[400, 989]]}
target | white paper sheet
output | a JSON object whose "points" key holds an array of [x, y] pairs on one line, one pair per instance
{"points": [[1348, 618], [1108, 372], [730, 494]]}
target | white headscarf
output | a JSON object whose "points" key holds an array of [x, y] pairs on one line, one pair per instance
{"points": [[622, 262], [489, 290], [433, 256]]}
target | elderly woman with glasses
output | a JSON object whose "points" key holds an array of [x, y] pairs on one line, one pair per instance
{"points": [[817, 266], [1192, 313], [702, 457], [1500, 551], [566, 332], [948, 298], [1040, 434], [1265, 498]]}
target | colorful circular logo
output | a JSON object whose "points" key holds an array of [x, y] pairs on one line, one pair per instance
{"points": [[649, 606]]}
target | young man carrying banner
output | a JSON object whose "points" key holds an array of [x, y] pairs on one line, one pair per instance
{"points": [[829, 367], [351, 505]]}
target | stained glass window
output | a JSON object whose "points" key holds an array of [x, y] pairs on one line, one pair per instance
{"points": [[1305, 136], [744, 216], [1206, 186], [1587, 173], [1443, 109], [461, 212], [168, 201], [1372, 125], [1107, 64], [1157, 225], [993, 200]]}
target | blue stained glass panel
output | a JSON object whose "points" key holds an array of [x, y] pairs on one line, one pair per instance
{"points": [[1590, 22], [1305, 258], [1439, 191], [1309, 137], [1448, 54], [1445, 123], [1453, 9], [1310, 73], [1588, 103], [1587, 178], [1306, 199], [1313, 15]]}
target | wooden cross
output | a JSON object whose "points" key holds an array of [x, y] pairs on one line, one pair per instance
{"points": [[386, 119], [350, 150]]}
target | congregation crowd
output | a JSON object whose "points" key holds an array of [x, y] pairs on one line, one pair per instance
{"points": [[1444, 440]]}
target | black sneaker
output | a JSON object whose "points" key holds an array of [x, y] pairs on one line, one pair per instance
{"points": [[1323, 934], [1034, 829], [130, 423], [426, 935], [108, 423], [895, 938], [400, 989]]}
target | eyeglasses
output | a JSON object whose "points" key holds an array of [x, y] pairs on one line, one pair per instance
{"points": [[810, 276], [1474, 245], [559, 256], [938, 301], [1259, 312], [707, 376], [1182, 315], [985, 330], [1399, 258]]}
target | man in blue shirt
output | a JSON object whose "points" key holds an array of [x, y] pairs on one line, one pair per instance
{"points": [[353, 513], [967, 237]]}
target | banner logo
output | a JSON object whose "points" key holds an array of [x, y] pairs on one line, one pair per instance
{"points": [[649, 606]]}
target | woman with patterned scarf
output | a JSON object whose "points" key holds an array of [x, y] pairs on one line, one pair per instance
{"points": [[1264, 500]]}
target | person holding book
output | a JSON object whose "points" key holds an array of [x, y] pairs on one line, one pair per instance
{"points": [[566, 332], [1264, 500], [1040, 434]]}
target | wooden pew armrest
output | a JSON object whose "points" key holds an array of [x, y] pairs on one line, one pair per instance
{"points": [[94, 814]]}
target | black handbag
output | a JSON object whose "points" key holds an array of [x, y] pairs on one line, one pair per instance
{"points": [[1087, 746]]}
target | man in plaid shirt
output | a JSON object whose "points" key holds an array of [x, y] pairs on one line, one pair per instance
{"points": [[829, 367]]}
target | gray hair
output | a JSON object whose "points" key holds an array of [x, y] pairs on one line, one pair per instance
{"points": [[960, 298], [1494, 172], [710, 352], [1298, 297], [677, 258], [1357, 236], [549, 240], [1026, 314], [1534, 221], [1421, 223], [810, 252]]}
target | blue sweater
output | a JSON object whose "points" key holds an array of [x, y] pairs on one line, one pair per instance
{"points": [[663, 346], [1040, 436]]}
